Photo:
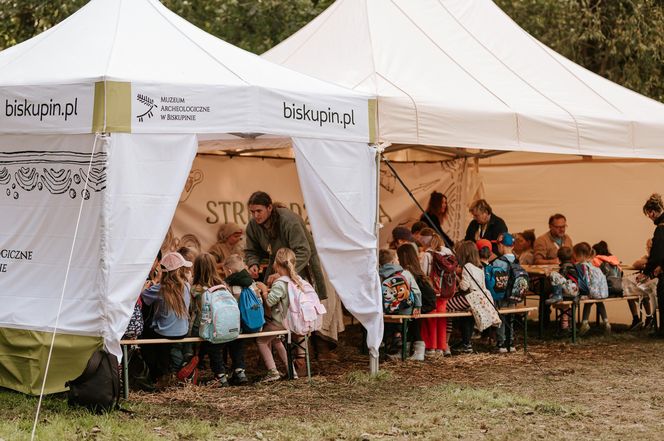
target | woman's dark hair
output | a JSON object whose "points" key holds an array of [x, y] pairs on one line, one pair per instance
{"points": [[654, 203], [409, 261], [601, 248], [264, 199], [436, 203], [260, 198], [528, 236]]}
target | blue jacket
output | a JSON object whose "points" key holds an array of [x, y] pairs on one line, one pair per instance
{"points": [[165, 322]]}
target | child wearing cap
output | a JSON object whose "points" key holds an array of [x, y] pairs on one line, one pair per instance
{"points": [[171, 318], [505, 332]]}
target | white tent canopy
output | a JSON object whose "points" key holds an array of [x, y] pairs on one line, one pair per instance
{"points": [[102, 113], [461, 73]]}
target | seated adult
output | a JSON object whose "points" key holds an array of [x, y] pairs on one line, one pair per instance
{"points": [[547, 245], [229, 242], [523, 247], [485, 224], [436, 214]]}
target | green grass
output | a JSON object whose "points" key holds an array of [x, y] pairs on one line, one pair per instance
{"points": [[386, 409]]}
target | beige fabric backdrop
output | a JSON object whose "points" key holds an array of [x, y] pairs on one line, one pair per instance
{"points": [[455, 179], [601, 199]]}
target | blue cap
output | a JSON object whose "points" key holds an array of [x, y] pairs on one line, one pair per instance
{"points": [[507, 239]]}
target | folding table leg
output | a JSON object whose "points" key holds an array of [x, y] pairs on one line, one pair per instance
{"points": [[289, 356], [525, 332], [306, 354], [404, 339], [540, 312], [125, 371], [574, 308]]}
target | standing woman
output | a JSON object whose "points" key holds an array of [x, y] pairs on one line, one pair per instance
{"points": [[271, 228], [654, 210], [436, 214]]}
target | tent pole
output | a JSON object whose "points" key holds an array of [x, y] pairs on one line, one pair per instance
{"points": [[373, 358]]}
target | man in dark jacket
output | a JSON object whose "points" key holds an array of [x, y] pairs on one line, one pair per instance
{"points": [[485, 224], [654, 210], [272, 228]]}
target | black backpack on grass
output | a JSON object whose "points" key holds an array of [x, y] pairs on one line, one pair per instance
{"points": [[98, 387]]}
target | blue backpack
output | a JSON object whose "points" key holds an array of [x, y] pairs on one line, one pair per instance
{"points": [[490, 280], [251, 311], [220, 316]]}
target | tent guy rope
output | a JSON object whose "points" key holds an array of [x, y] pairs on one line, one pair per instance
{"points": [[64, 287]]}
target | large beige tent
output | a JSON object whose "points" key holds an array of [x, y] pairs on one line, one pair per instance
{"points": [[458, 78]]}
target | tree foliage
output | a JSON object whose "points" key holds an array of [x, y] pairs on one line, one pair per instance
{"points": [[622, 40], [254, 25]]}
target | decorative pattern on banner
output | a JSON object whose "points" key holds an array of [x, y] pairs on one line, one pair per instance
{"points": [[56, 172]]}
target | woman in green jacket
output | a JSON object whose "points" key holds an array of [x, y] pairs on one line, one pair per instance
{"points": [[274, 227]]}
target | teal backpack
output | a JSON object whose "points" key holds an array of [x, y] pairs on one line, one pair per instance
{"points": [[220, 316]]}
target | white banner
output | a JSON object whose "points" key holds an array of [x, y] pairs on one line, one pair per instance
{"points": [[164, 108], [47, 109]]}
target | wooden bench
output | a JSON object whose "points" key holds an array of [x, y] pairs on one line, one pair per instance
{"points": [[404, 319], [290, 347], [574, 305], [537, 274]]}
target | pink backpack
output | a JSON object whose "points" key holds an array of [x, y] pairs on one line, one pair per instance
{"points": [[305, 311]]}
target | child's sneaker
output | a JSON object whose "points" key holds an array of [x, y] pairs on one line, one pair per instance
{"points": [[585, 327], [512, 349], [636, 324], [239, 377], [501, 350], [466, 349], [220, 380], [447, 353], [430, 353], [607, 327], [272, 375], [650, 321]]}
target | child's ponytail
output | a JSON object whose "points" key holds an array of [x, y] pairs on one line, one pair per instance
{"points": [[285, 258]]}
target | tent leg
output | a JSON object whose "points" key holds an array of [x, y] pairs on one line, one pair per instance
{"points": [[373, 365]]}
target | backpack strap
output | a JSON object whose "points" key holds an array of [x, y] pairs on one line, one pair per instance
{"points": [[217, 288], [90, 368]]}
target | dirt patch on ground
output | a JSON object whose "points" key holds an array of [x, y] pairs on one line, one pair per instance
{"points": [[606, 387]]}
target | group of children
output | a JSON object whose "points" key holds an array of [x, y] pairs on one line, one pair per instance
{"points": [[172, 303], [587, 272], [420, 274], [483, 283]]}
